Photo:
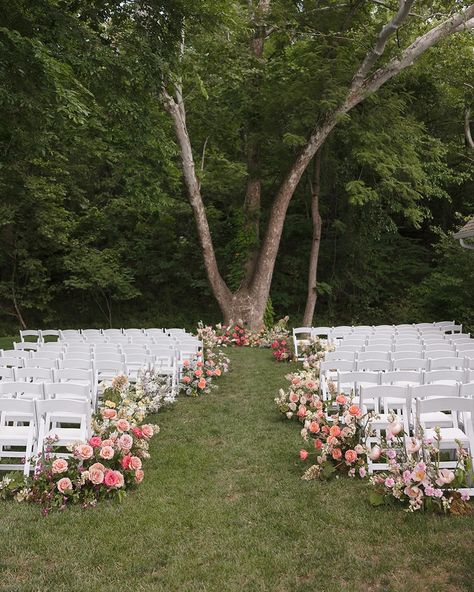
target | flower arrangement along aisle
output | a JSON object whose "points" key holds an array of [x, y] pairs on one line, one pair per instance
{"points": [[237, 335], [333, 435], [313, 353], [281, 351], [198, 375], [301, 396], [416, 480], [109, 463]]}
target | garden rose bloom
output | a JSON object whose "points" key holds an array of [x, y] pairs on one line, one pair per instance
{"points": [[293, 397], [395, 427], [445, 477], [135, 463], [200, 363], [108, 413], [125, 461], [125, 441], [375, 453], [123, 425], [186, 379], [137, 432], [303, 454], [359, 448], [318, 444], [96, 475], [202, 383], [59, 466], [314, 427], [139, 474], [83, 451], [95, 441], [389, 482], [341, 399], [108, 442], [362, 472], [97, 467], [350, 456], [148, 431], [106, 452], [355, 411], [413, 491], [301, 411], [114, 479], [217, 372], [64, 484], [337, 453], [198, 373], [186, 363], [335, 431], [413, 446]]}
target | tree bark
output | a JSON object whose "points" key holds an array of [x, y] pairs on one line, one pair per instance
{"points": [[315, 243]]}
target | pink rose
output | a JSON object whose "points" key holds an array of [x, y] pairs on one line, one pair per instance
{"points": [[135, 463], [123, 425], [96, 476], [148, 431], [341, 399], [64, 485], [97, 467], [138, 433], [95, 441], [198, 373], [395, 428], [413, 446], [186, 363], [186, 379], [83, 451], [125, 462], [375, 453], [125, 442], [337, 453], [106, 452], [114, 479], [139, 474], [108, 413], [350, 456], [301, 411], [303, 454], [59, 466]]}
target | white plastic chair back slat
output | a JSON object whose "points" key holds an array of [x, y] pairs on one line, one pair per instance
{"points": [[410, 364], [22, 390], [34, 374], [18, 430]]}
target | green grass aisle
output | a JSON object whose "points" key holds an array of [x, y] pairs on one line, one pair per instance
{"points": [[222, 508]]}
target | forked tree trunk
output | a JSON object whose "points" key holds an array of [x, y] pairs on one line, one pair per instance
{"points": [[315, 243]]}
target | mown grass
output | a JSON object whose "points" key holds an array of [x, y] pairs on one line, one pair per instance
{"points": [[223, 508]]}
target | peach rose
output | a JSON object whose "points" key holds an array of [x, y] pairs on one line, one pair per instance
{"points": [[314, 427], [186, 363], [122, 425], [335, 431], [355, 411], [96, 476], [301, 411], [83, 451], [106, 452], [108, 442], [148, 431], [139, 474], [202, 383], [135, 463], [341, 399], [64, 485], [59, 466], [108, 413], [114, 479], [350, 456], [217, 372], [304, 454], [186, 379], [198, 373], [97, 467], [337, 453], [125, 441]]}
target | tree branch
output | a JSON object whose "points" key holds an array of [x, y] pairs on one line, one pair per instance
{"points": [[467, 129]]}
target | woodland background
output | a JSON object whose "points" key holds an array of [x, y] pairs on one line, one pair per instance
{"points": [[95, 227]]}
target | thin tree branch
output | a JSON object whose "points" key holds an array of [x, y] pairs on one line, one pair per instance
{"points": [[467, 129]]}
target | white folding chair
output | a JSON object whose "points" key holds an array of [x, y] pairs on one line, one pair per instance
{"points": [[373, 365], [301, 337], [108, 369], [109, 356], [7, 374], [21, 390], [403, 352], [18, 433], [15, 353], [113, 332], [33, 374], [449, 377], [415, 364], [49, 333], [77, 363], [68, 390], [341, 355], [62, 422], [350, 382], [401, 377], [446, 363], [78, 376], [430, 391], [30, 333], [26, 345]]}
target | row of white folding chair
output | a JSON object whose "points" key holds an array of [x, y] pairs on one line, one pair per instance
{"points": [[352, 355], [28, 426], [350, 382], [447, 363], [436, 406], [45, 390]]}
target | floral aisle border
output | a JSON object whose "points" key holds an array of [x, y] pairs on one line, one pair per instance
{"points": [[336, 435], [110, 463]]}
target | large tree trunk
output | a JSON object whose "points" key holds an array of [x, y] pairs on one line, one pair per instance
{"points": [[315, 243]]}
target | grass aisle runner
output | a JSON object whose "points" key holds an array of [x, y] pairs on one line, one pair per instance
{"points": [[222, 508]]}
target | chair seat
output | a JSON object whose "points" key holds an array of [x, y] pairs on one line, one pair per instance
{"points": [[66, 435], [17, 433], [437, 418]]}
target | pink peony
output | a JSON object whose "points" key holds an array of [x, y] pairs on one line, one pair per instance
{"points": [[114, 479], [135, 463], [59, 466], [122, 425], [106, 452], [95, 441], [139, 474], [413, 446], [148, 430], [83, 451], [303, 454], [64, 485]]}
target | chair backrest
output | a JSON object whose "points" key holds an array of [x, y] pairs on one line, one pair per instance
{"points": [[71, 411], [353, 378], [92, 333], [320, 331], [444, 376], [404, 377], [72, 375], [468, 362], [133, 331], [49, 333], [26, 345], [349, 348], [17, 410], [14, 353], [372, 355], [30, 333], [423, 391], [84, 364], [374, 395], [467, 389], [444, 324], [67, 390], [410, 364], [464, 347], [338, 355], [22, 390], [7, 374], [460, 337], [110, 332], [109, 356], [407, 353], [424, 325], [445, 363], [373, 365], [442, 353], [454, 405], [337, 365], [34, 374], [12, 362]]}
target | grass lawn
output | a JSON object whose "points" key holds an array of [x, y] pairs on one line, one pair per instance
{"points": [[223, 508]]}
